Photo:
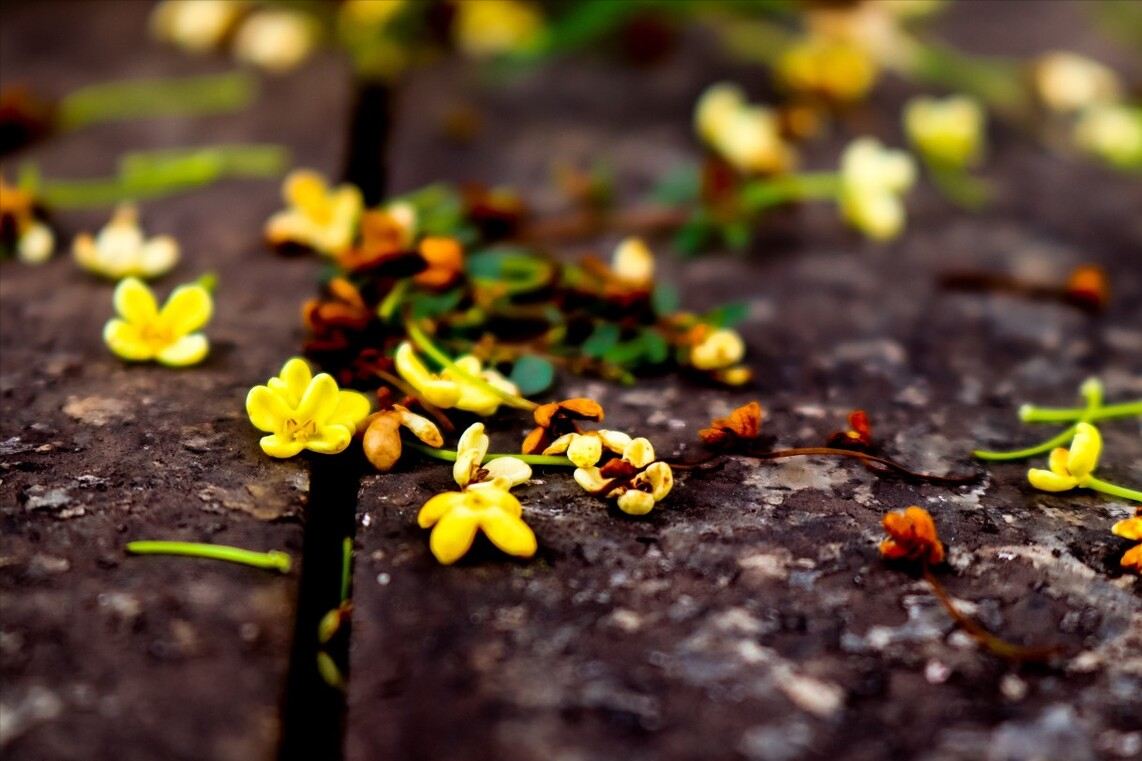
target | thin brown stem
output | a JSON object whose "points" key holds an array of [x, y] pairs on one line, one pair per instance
{"points": [[993, 644], [889, 465]]}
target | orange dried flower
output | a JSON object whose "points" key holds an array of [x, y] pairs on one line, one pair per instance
{"points": [[445, 259], [742, 424], [1087, 287], [559, 418], [859, 435], [911, 536], [386, 238]]}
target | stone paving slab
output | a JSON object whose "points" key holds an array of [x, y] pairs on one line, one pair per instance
{"points": [[750, 617], [104, 655]]}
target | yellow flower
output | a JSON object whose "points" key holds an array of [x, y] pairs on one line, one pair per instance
{"points": [[1112, 132], [949, 132], [276, 40], [303, 411], [1131, 528], [195, 25], [633, 264], [445, 391], [144, 332], [485, 28], [872, 180], [747, 136], [120, 250], [471, 472], [319, 217], [1070, 468], [1068, 82], [718, 350], [455, 517], [837, 70]]}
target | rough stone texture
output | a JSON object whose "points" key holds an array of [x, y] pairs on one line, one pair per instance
{"points": [[104, 655], [750, 617]]}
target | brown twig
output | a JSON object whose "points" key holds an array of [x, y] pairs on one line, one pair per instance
{"points": [[888, 465]]}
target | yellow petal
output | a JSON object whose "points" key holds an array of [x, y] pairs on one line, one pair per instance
{"points": [[616, 441], [352, 408], [331, 439], [188, 309], [559, 446], [295, 376], [188, 350], [1048, 481], [1085, 450], [134, 301], [634, 502], [304, 188], [585, 451], [267, 410], [36, 244], [437, 392], [633, 262], [661, 479], [123, 339], [495, 499], [470, 453], [439, 506], [509, 533], [453, 535], [319, 400], [591, 479], [275, 446]]}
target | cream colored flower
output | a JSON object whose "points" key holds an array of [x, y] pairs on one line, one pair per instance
{"points": [[745, 135], [197, 26], [633, 264], [1067, 82], [471, 472], [872, 180], [119, 250], [586, 449], [948, 132], [638, 495], [276, 40], [447, 389], [1112, 132], [319, 217], [718, 350]]}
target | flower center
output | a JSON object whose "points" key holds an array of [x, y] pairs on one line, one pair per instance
{"points": [[300, 432], [156, 335]]}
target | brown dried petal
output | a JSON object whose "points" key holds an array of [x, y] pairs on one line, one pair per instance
{"points": [[382, 440]]}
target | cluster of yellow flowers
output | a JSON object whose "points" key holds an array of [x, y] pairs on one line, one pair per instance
{"points": [[746, 135]]}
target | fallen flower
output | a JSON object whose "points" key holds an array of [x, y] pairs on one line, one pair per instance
{"points": [[276, 40], [319, 217], [858, 437], [911, 536], [872, 180], [743, 424], [303, 411], [450, 389], [586, 449], [1074, 468], [1066, 82], [558, 418], [1131, 528], [20, 231], [382, 441], [471, 472], [746, 135], [455, 517], [144, 332], [119, 250], [948, 133]]}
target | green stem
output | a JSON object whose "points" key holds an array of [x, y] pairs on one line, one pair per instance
{"points": [[1057, 441], [393, 299], [1113, 489], [346, 569], [188, 96], [759, 195], [959, 187], [274, 560], [425, 344], [1029, 413], [531, 459]]}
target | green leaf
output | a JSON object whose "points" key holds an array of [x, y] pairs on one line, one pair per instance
{"points": [[682, 184], [532, 375], [425, 305], [728, 315], [601, 340], [693, 235], [665, 299]]}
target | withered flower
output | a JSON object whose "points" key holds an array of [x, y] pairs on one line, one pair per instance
{"points": [[386, 243], [445, 262], [558, 419], [1087, 287], [911, 536], [382, 440], [859, 436], [742, 425]]}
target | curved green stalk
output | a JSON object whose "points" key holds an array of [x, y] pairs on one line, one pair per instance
{"points": [[274, 560], [425, 344], [1029, 413], [449, 455], [1114, 490], [1056, 441]]}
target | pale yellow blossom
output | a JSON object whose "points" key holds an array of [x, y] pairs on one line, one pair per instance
{"points": [[120, 250]]}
